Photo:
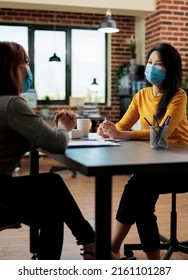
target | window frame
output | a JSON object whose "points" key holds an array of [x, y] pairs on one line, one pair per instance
{"points": [[32, 28]]}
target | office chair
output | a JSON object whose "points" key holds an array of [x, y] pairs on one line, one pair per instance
{"points": [[10, 221], [171, 244]]}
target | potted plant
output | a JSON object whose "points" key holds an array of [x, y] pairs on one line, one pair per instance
{"points": [[132, 47], [45, 107], [122, 79]]}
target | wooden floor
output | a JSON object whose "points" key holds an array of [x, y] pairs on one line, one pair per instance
{"points": [[14, 243]]}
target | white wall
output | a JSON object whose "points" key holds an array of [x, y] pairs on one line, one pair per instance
{"points": [[118, 7]]}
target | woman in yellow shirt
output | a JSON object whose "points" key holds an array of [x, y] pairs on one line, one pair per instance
{"points": [[163, 97]]}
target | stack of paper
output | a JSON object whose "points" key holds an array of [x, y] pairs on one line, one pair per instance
{"points": [[83, 142]]}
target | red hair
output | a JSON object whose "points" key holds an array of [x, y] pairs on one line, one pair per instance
{"points": [[12, 56]]}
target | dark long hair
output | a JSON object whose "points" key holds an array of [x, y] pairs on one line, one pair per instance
{"points": [[171, 60], [12, 56]]}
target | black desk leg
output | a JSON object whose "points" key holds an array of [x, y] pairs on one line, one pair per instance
{"points": [[34, 232], [103, 205]]}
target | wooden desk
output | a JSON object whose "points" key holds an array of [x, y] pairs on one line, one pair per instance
{"points": [[104, 162]]}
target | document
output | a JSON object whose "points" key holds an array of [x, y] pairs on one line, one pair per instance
{"points": [[82, 142], [97, 137]]}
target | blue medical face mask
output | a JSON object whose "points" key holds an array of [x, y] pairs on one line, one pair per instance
{"points": [[27, 82], [154, 74]]}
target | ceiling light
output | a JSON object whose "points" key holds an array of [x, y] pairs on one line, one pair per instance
{"points": [[94, 85], [108, 25], [54, 57]]}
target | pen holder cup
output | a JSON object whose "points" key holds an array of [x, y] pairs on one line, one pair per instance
{"points": [[158, 137]]}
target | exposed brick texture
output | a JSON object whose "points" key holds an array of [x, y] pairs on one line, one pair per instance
{"points": [[168, 23]]}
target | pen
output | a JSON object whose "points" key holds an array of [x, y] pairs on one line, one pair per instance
{"points": [[155, 118], [165, 120], [147, 122], [168, 121]]}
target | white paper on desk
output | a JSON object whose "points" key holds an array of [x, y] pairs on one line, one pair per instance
{"points": [[97, 137], [90, 143]]}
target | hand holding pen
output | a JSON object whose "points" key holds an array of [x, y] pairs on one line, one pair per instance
{"points": [[109, 129], [100, 130]]}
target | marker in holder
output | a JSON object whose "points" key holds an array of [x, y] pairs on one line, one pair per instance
{"points": [[159, 137]]}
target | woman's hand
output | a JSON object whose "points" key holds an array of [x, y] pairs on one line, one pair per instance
{"points": [[100, 131], [107, 129], [66, 118]]}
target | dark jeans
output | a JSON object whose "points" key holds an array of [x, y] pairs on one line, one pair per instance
{"points": [[44, 201], [137, 204]]}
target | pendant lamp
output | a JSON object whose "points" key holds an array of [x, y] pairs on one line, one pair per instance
{"points": [[94, 86], [54, 57], [94, 89], [108, 25]]}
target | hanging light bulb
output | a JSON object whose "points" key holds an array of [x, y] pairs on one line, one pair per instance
{"points": [[54, 57], [94, 86], [108, 25], [94, 89]]}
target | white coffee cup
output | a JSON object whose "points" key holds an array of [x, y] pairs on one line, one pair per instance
{"points": [[84, 125]]}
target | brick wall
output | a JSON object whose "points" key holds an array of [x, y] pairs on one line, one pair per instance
{"points": [[119, 50], [169, 23]]}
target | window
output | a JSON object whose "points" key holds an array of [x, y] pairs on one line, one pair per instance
{"points": [[83, 59], [88, 63], [50, 76], [17, 34]]}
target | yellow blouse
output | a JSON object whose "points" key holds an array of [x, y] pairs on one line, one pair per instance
{"points": [[144, 105]]}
